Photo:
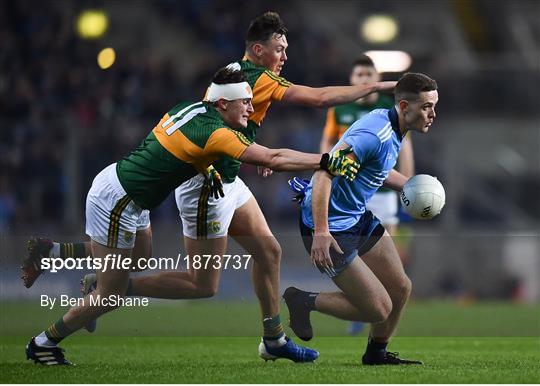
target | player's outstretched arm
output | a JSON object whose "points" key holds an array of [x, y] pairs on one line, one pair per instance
{"points": [[233, 144], [291, 160], [332, 95], [395, 180]]}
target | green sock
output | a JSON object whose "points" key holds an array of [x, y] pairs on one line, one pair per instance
{"points": [[272, 328], [72, 250], [58, 331]]}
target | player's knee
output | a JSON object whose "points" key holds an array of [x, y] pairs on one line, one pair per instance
{"points": [[274, 251], [381, 309], [270, 255], [207, 291], [403, 291]]}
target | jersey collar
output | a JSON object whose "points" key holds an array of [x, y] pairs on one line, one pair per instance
{"points": [[394, 120]]}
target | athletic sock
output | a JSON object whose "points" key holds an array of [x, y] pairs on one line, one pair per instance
{"points": [[71, 250], [273, 333], [58, 331], [43, 341], [376, 348]]}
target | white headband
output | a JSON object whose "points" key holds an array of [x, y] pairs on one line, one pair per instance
{"points": [[229, 91]]}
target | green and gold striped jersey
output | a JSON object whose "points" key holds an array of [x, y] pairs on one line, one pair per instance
{"points": [[267, 87], [184, 143]]}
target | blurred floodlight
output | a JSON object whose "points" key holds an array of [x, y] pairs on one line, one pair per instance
{"points": [[379, 29], [106, 58], [390, 61], [92, 24]]}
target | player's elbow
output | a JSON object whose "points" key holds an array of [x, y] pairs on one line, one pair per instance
{"points": [[271, 159], [326, 98], [273, 163]]}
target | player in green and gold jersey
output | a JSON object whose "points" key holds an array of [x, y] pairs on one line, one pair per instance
{"points": [[184, 143]]}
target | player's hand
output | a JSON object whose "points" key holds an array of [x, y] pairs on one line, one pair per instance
{"points": [[388, 85], [320, 252], [264, 171], [214, 181], [338, 164]]}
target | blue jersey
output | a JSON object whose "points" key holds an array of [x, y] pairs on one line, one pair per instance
{"points": [[375, 140]]}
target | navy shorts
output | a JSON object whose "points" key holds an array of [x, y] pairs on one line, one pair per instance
{"points": [[356, 240]]}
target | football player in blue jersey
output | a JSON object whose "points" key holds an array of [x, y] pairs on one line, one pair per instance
{"points": [[346, 241]]}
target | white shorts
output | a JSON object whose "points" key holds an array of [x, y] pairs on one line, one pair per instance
{"points": [[209, 218], [112, 218], [384, 205]]}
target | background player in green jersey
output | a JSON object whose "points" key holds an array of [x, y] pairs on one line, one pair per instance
{"points": [[183, 144], [384, 203]]}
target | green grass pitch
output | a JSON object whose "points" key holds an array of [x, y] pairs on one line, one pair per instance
{"points": [[216, 342]]}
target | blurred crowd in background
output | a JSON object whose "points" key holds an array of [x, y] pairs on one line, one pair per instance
{"points": [[51, 88], [63, 118]]}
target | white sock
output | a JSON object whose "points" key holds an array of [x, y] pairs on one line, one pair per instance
{"points": [[43, 341], [55, 251], [276, 342]]}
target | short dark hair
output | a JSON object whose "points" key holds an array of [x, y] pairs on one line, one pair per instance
{"points": [[227, 75], [264, 26], [411, 84], [363, 60]]}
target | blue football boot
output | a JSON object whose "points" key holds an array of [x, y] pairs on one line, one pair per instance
{"points": [[290, 350]]}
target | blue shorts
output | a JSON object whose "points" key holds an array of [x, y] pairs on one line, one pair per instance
{"points": [[357, 240]]}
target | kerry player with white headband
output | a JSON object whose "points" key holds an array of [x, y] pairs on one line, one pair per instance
{"points": [[182, 145]]}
